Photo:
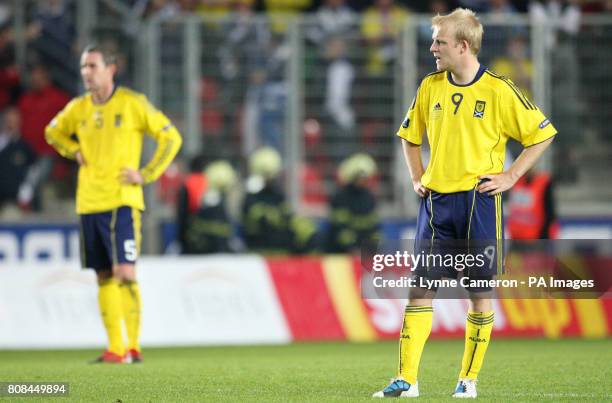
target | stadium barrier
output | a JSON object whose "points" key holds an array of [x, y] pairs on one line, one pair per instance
{"points": [[54, 243], [247, 299]]}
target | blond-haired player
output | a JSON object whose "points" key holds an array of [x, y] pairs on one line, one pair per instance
{"points": [[468, 114]]}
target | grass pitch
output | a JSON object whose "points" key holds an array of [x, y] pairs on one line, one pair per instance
{"points": [[515, 370]]}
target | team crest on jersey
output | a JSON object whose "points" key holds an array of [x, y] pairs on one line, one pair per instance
{"points": [[98, 120], [479, 109], [406, 123], [117, 120]]}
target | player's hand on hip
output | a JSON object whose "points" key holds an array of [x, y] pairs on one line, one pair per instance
{"points": [[494, 184], [421, 190], [80, 159], [130, 176]]}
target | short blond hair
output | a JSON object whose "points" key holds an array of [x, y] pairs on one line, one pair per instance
{"points": [[466, 25]]}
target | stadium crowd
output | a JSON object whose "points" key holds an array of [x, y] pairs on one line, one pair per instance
{"points": [[34, 88]]}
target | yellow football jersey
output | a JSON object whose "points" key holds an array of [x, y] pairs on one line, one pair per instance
{"points": [[468, 126], [110, 137]]}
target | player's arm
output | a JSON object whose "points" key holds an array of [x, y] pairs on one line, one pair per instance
{"points": [[411, 131], [525, 161], [522, 120], [168, 139], [59, 131], [412, 155]]}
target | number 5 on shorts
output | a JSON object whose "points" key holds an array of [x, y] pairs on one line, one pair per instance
{"points": [[131, 252]]}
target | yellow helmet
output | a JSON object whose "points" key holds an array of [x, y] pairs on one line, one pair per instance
{"points": [[220, 175], [265, 162], [357, 166]]}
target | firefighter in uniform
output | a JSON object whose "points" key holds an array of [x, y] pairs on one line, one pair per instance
{"points": [[353, 217], [268, 224], [211, 229]]}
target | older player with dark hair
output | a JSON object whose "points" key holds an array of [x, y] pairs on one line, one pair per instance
{"points": [[103, 130]]}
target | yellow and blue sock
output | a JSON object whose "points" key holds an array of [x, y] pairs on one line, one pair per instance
{"points": [[132, 302], [414, 334], [477, 336], [109, 300]]}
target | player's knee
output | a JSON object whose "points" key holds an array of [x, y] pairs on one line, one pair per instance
{"points": [[423, 296], [420, 302], [481, 303]]}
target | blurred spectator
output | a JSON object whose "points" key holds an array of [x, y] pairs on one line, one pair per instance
{"points": [[563, 17], [169, 183], [340, 76], [497, 31], [189, 201], [241, 61], [360, 5], [39, 104], [601, 6], [532, 207], [315, 160], [266, 97], [218, 9], [353, 216], [282, 12], [268, 224], [162, 9], [9, 74], [187, 6], [474, 5], [52, 33], [499, 9], [435, 7], [516, 64], [54, 22], [333, 18], [211, 114], [211, 229], [381, 26], [16, 162], [246, 38]]}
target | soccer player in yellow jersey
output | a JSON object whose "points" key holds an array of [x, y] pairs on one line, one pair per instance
{"points": [[468, 114], [103, 131]]}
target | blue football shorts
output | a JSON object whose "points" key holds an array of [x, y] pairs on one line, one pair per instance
{"points": [[456, 225], [110, 238]]}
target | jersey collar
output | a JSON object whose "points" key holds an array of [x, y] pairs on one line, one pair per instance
{"points": [[479, 74], [107, 99]]}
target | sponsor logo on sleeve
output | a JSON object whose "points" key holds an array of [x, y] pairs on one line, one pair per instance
{"points": [[544, 123]]}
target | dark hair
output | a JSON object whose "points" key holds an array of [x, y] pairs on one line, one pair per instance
{"points": [[108, 55]]}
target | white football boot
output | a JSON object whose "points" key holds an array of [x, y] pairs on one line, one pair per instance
{"points": [[466, 389], [399, 388]]}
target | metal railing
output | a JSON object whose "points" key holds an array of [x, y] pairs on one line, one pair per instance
{"points": [[230, 87]]}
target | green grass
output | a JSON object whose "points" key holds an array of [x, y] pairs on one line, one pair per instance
{"points": [[515, 370]]}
